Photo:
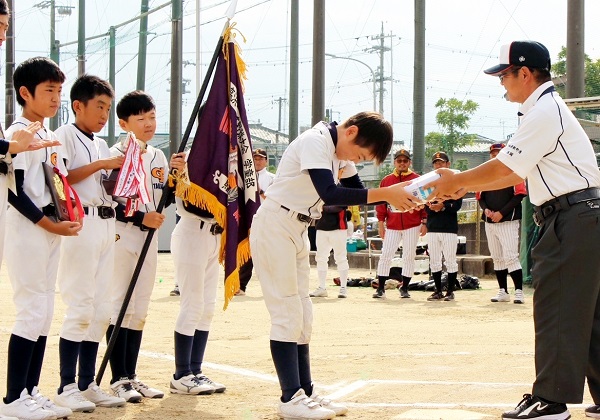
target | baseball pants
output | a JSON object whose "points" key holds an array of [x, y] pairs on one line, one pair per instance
{"points": [[195, 252], [391, 242], [328, 240], [84, 274], [32, 261], [566, 304], [3, 209], [284, 275], [503, 242], [442, 243], [129, 243]]}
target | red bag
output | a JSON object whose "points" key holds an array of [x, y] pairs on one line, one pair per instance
{"points": [[64, 197]]}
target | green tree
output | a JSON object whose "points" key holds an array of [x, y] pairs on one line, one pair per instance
{"points": [[453, 119], [591, 69]]}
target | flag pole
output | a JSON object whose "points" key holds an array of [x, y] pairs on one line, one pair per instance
{"points": [[167, 191]]}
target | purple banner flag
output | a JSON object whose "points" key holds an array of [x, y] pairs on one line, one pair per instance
{"points": [[221, 170]]}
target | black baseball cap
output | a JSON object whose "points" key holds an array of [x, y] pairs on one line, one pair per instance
{"points": [[497, 146], [402, 152], [529, 54], [440, 156]]}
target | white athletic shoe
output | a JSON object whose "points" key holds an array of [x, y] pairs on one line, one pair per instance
{"points": [[343, 293], [302, 407], [502, 296], [519, 298], [190, 385], [319, 292], [337, 408], [72, 398], [26, 408], [123, 388], [48, 404], [96, 395], [8, 418], [145, 390], [219, 388]]}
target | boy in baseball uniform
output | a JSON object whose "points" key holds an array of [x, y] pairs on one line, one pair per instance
{"points": [[195, 245], [86, 261], [137, 114], [33, 231], [306, 179]]}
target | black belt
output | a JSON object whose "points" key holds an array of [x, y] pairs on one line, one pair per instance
{"points": [[102, 211], [3, 168], [301, 217], [49, 210], [215, 229], [543, 212]]}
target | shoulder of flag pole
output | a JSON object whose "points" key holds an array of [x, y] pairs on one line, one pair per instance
{"points": [[165, 197]]}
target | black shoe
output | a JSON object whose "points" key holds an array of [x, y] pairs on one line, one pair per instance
{"points": [[379, 294], [449, 296], [593, 411], [532, 407], [436, 296], [404, 293]]}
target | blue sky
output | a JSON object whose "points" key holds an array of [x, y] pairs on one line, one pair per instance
{"points": [[462, 38]]}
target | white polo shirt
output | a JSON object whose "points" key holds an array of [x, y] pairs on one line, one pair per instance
{"points": [[265, 179], [79, 150], [550, 149], [292, 186], [34, 183]]}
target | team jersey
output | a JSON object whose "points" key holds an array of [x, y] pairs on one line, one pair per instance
{"points": [[550, 148], [156, 168], [80, 150], [34, 182], [292, 186]]}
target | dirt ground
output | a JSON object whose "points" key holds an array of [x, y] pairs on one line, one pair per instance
{"points": [[394, 359]]}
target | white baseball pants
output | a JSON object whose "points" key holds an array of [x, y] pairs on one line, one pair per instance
{"points": [[503, 242], [391, 242], [439, 244]]}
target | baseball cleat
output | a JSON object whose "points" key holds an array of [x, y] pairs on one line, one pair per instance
{"points": [[190, 385], [337, 408], [26, 408], [319, 292], [72, 398], [145, 390], [532, 407], [502, 296], [124, 389], [97, 395], [48, 404], [519, 298], [302, 407], [203, 379]]}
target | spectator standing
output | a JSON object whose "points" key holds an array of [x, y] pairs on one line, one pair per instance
{"points": [[501, 214], [396, 227], [442, 229]]}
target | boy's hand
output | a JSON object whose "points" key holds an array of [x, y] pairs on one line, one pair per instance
{"points": [[177, 161], [153, 219], [400, 198], [24, 140], [62, 228], [114, 162]]}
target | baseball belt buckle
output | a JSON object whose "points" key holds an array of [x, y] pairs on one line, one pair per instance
{"points": [[216, 229], [303, 218], [106, 212], [536, 219]]}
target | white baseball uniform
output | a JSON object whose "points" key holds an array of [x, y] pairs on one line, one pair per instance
{"points": [[32, 252], [285, 279], [129, 242]]}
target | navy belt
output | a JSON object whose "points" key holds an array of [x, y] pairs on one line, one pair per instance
{"points": [[103, 211], [301, 217], [215, 229], [563, 202]]}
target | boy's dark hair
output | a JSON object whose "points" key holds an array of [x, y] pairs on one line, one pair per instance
{"points": [[4, 10], [134, 103], [88, 87], [374, 133], [34, 71]]}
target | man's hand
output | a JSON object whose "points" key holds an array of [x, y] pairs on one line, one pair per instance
{"points": [[446, 187], [436, 206]]}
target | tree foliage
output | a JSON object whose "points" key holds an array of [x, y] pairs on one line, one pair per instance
{"points": [[592, 73], [453, 119]]}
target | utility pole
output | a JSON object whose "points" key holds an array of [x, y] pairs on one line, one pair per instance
{"points": [[111, 78], [318, 69], [294, 47], [575, 50], [281, 101], [380, 49], [176, 76], [143, 40], [81, 39], [419, 88], [9, 105]]}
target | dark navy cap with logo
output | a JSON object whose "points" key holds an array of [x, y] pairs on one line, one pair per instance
{"points": [[440, 156], [529, 54]]}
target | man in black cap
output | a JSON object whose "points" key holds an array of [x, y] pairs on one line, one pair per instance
{"points": [[554, 154], [442, 230]]}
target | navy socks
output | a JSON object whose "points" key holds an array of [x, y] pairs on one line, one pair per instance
{"points": [[68, 353], [198, 348], [285, 358], [20, 352], [183, 355]]}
